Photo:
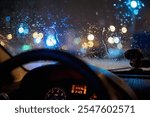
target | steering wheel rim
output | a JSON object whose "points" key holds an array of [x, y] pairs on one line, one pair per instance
{"points": [[62, 57]]}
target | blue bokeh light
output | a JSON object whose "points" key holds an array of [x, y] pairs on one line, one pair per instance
{"points": [[136, 12], [26, 31], [8, 18], [51, 41], [21, 30], [37, 40], [129, 10], [134, 4]]}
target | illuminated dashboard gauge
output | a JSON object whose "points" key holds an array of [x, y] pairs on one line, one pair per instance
{"points": [[79, 89], [93, 97], [56, 94]]}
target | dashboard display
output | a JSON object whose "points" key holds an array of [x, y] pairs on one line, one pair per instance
{"points": [[56, 94], [79, 89]]}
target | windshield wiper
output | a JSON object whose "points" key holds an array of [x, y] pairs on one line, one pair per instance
{"points": [[118, 69]]}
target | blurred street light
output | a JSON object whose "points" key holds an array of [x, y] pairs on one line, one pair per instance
{"points": [[111, 40], [9, 36], [124, 30], [116, 40], [112, 28], [134, 4], [90, 37], [90, 44]]}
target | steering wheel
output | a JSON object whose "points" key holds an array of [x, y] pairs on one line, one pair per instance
{"points": [[100, 85]]}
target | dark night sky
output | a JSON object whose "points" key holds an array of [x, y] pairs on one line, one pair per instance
{"points": [[79, 10], [71, 6]]}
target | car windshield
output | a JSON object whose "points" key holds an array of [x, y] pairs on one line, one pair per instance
{"points": [[97, 31]]}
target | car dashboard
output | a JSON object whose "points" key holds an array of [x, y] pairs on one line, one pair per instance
{"points": [[138, 80]]}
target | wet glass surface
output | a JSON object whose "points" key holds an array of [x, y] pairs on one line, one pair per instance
{"points": [[94, 30]]}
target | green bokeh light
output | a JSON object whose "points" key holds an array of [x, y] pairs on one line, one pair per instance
{"points": [[26, 47]]}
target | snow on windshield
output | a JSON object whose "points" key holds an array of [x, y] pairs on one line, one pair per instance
{"points": [[95, 29]]}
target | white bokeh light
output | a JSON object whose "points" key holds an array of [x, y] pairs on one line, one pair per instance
{"points": [[134, 4], [119, 46], [116, 40], [111, 40], [124, 30], [112, 28], [90, 37]]}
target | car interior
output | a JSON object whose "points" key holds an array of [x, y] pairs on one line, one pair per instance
{"points": [[70, 78], [74, 50]]}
